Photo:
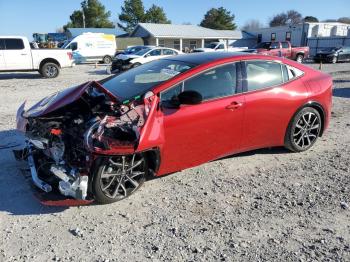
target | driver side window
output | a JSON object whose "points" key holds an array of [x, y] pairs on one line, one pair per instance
{"points": [[215, 83], [155, 52]]}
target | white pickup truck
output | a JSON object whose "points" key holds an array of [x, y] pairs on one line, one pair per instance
{"points": [[16, 54], [219, 46]]}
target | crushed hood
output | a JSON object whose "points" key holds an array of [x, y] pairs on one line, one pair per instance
{"points": [[61, 99]]}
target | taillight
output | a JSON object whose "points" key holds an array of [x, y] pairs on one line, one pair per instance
{"points": [[70, 55]]}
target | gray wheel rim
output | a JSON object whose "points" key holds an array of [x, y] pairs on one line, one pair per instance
{"points": [[306, 130], [122, 176], [334, 60], [299, 59], [51, 71]]}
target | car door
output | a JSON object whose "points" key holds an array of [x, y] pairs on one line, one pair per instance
{"points": [[195, 134], [152, 55], [286, 50], [2, 60], [272, 97], [275, 49], [16, 56]]}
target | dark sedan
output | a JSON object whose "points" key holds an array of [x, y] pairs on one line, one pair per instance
{"points": [[333, 55]]}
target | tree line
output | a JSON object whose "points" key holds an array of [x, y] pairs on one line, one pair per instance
{"points": [[93, 14]]}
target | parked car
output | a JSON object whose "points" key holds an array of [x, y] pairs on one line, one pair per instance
{"points": [[126, 61], [101, 140], [281, 49], [218, 46], [132, 50], [16, 54], [333, 54], [92, 47]]}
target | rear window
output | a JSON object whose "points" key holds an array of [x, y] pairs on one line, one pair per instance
{"points": [[14, 44]]}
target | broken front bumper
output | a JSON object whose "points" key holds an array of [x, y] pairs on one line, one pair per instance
{"points": [[68, 192]]}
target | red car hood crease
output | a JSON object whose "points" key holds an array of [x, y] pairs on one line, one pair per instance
{"points": [[70, 97]]}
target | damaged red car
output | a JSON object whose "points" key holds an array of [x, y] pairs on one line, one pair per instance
{"points": [[101, 140]]}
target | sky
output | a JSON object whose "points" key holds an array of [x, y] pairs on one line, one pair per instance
{"points": [[25, 17]]}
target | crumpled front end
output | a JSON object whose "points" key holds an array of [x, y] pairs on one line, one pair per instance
{"points": [[63, 139]]}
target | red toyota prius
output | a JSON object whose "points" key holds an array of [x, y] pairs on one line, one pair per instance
{"points": [[101, 140]]}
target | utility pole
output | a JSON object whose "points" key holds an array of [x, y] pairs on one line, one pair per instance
{"points": [[83, 5], [83, 17]]}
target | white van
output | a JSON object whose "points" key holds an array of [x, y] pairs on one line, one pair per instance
{"points": [[92, 47]]}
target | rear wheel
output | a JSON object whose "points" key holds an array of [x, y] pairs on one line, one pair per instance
{"points": [[299, 58], [118, 177], [49, 70], [107, 59], [303, 130]]}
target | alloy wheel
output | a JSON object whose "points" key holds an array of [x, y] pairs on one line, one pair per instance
{"points": [[51, 71], [306, 130], [122, 176]]}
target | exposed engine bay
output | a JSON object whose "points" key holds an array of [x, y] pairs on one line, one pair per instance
{"points": [[61, 138]]}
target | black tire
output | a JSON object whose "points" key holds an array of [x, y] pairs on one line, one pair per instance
{"points": [[334, 60], [303, 130], [122, 183], [107, 59], [299, 58], [49, 70], [136, 65]]}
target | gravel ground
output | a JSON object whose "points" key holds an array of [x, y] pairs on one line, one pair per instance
{"points": [[265, 205]]}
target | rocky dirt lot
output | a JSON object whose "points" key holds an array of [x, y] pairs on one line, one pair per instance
{"points": [[265, 205]]}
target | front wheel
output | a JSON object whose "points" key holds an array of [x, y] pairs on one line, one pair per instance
{"points": [[334, 60], [49, 70], [299, 58], [303, 130], [107, 59], [136, 65], [118, 177]]}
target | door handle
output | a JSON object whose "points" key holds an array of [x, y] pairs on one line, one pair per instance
{"points": [[234, 105], [23, 54]]}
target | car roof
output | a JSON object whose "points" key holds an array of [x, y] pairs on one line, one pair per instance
{"points": [[203, 58]]}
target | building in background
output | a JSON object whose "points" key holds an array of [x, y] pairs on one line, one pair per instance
{"points": [[314, 35], [183, 37]]}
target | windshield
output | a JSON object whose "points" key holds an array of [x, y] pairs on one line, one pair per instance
{"points": [[133, 49], [263, 45], [331, 49], [143, 51], [67, 42], [139, 80], [211, 45]]}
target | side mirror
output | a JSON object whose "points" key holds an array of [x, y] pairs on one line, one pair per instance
{"points": [[147, 55], [189, 97]]}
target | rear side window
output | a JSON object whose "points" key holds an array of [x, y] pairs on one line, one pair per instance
{"points": [[293, 72], [14, 44], [168, 52], [262, 74], [285, 45]]}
